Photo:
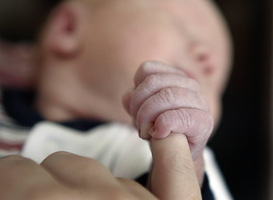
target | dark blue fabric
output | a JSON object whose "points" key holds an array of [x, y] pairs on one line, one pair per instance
{"points": [[206, 191], [18, 105]]}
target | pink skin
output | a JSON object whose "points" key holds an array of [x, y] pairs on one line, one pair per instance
{"points": [[166, 100], [90, 60]]}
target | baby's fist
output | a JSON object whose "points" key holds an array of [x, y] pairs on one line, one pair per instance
{"points": [[166, 100]]}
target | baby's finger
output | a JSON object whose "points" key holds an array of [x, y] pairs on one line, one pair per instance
{"points": [[156, 82], [152, 67], [197, 125], [169, 99]]}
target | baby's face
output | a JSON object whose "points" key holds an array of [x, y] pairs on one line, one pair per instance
{"points": [[188, 34]]}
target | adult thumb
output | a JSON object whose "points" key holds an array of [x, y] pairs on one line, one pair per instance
{"points": [[173, 175]]}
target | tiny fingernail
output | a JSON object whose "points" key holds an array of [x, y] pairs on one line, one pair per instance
{"points": [[152, 132], [144, 132]]}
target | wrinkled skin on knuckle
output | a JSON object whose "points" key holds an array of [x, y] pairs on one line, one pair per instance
{"points": [[167, 122], [199, 122], [186, 119], [205, 124], [167, 95], [150, 81], [177, 97], [203, 129], [197, 125]]}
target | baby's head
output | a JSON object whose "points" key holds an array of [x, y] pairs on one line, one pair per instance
{"points": [[91, 49]]}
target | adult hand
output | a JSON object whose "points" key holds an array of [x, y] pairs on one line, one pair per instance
{"points": [[65, 176]]}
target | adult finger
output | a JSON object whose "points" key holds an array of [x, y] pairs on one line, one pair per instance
{"points": [[78, 171], [23, 179], [173, 175], [91, 178]]}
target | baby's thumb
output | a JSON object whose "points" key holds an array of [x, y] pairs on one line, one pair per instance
{"points": [[173, 175]]}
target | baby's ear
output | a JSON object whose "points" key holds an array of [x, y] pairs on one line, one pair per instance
{"points": [[63, 33]]}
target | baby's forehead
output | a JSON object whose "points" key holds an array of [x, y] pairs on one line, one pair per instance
{"points": [[179, 10], [152, 6], [136, 7], [125, 3]]}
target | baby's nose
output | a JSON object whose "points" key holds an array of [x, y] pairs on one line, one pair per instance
{"points": [[202, 56]]}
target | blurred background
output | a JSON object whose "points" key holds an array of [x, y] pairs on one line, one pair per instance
{"points": [[243, 141]]}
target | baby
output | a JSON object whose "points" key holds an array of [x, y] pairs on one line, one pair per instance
{"points": [[92, 51]]}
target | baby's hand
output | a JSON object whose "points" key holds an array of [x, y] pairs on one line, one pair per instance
{"points": [[165, 100]]}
